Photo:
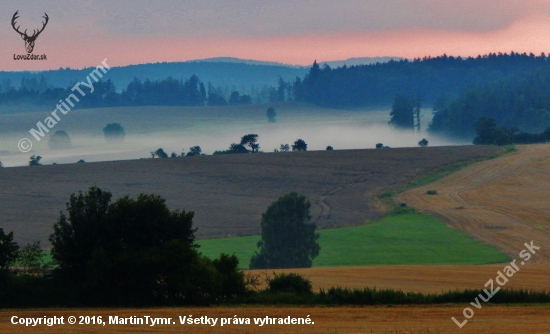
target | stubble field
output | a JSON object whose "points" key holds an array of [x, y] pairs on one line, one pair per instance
{"points": [[503, 202]]}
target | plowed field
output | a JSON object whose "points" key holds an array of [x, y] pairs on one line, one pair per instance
{"points": [[228, 193]]}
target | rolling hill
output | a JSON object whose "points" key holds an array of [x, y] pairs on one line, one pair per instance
{"points": [[228, 193]]}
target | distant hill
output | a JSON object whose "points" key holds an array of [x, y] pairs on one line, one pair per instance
{"points": [[231, 74], [359, 61], [243, 61], [335, 63], [227, 72]]}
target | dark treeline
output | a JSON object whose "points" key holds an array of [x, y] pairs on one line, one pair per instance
{"points": [[168, 92], [520, 102], [365, 85], [488, 133]]}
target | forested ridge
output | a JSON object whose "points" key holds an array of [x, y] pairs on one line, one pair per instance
{"points": [[519, 102], [511, 88], [429, 77]]}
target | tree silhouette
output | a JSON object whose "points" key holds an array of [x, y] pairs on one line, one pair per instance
{"points": [[8, 250], [59, 140], [114, 132], [271, 114], [299, 145], [402, 112], [35, 160], [251, 140], [288, 239]]}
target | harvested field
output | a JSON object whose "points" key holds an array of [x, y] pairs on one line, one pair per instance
{"points": [[333, 320], [427, 279], [228, 193], [503, 202]]}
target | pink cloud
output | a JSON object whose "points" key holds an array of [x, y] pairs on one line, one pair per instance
{"points": [[79, 50]]}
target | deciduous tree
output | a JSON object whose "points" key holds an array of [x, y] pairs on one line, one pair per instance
{"points": [[135, 252], [299, 145], [35, 160], [8, 250], [251, 140], [423, 142], [288, 239]]}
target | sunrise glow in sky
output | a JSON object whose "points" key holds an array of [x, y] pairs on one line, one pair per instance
{"points": [[83, 33]]}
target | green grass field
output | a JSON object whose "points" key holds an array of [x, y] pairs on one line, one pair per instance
{"points": [[403, 239]]}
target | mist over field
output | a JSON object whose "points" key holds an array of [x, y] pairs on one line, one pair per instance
{"points": [[176, 129]]}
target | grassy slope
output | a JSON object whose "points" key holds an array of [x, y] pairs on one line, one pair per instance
{"points": [[401, 239]]}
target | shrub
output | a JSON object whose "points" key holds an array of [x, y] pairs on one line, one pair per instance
{"points": [[59, 141], [284, 148], [290, 283], [330, 148]]}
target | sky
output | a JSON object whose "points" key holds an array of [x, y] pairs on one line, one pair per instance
{"points": [[83, 33]]}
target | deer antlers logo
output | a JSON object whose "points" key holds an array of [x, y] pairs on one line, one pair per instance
{"points": [[29, 40]]}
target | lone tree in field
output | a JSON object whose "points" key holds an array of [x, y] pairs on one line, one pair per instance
{"points": [[251, 140], [60, 140], [402, 112], [114, 132], [35, 160], [194, 151], [271, 114], [159, 153], [299, 145], [288, 239], [423, 142], [136, 252]]}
